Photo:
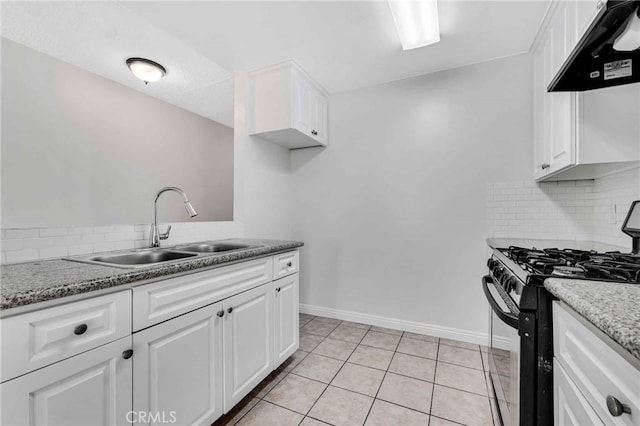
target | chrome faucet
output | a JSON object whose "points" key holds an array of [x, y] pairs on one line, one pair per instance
{"points": [[154, 235]]}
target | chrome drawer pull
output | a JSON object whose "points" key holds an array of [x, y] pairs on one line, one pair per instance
{"points": [[616, 408]]}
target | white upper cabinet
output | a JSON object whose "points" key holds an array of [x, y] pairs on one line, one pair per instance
{"points": [[579, 135], [287, 107]]}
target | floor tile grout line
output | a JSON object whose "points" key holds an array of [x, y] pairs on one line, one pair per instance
{"points": [[335, 375], [433, 386], [329, 384], [383, 378], [458, 365], [386, 371], [401, 406]]}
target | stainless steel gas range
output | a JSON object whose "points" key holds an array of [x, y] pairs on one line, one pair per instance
{"points": [[521, 346]]}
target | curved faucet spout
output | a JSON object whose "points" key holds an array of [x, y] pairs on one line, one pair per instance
{"points": [[154, 235]]}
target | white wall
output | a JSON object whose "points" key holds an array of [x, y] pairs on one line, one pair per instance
{"points": [[81, 150], [263, 191], [392, 213]]}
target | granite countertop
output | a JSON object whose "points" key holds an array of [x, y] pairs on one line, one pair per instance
{"points": [[614, 308], [38, 281], [541, 244]]}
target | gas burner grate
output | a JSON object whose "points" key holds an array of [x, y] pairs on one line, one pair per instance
{"points": [[611, 266]]}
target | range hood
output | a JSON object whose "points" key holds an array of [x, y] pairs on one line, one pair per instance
{"points": [[608, 54]]}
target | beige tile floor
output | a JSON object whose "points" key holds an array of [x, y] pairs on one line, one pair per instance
{"points": [[352, 374]]}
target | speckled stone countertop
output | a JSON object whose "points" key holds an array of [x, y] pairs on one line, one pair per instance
{"points": [[611, 307], [38, 281]]}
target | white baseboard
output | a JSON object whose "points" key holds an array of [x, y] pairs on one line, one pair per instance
{"points": [[404, 325]]}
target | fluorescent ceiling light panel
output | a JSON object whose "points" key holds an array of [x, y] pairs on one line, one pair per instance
{"points": [[416, 22]]}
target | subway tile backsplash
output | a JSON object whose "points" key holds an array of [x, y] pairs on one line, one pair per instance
{"points": [[21, 245], [570, 210]]}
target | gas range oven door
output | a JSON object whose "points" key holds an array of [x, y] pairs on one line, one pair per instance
{"points": [[504, 352]]}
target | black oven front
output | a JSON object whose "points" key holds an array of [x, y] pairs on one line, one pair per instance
{"points": [[520, 349]]}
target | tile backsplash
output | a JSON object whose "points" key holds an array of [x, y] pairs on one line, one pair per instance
{"points": [[569, 210], [25, 244]]}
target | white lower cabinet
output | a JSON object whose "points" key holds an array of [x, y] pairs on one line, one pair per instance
{"points": [[211, 337], [286, 335], [177, 370], [90, 389], [589, 374], [248, 342], [571, 408]]}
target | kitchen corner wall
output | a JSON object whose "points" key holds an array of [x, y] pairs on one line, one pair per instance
{"points": [[588, 210], [392, 213]]}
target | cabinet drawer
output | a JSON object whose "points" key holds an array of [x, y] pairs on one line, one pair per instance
{"points": [[36, 339], [167, 299], [286, 264], [570, 407], [596, 369]]}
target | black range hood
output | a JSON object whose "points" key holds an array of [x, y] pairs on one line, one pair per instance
{"points": [[594, 63]]}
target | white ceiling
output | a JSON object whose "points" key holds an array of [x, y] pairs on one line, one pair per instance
{"points": [[343, 44]]}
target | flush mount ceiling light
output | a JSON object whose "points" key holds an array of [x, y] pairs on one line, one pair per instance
{"points": [[146, 70], [416, 22]]}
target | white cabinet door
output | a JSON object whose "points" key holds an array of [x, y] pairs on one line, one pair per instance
{"points": [[319, 110], [302, 105], [561, 111], [93, 388], [248, 342], [540, 105], [286, 332], [178, 369], [570, 407], [287, 107]]}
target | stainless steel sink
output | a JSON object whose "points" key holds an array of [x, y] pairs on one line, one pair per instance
{"points": [[141, 258], [212, 247], [150, 257]]}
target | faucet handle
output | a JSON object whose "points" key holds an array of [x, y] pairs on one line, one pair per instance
{"points": [[166, 234]]}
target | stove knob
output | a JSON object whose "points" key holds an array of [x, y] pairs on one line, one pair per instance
{"points": [[491, 263], [503, 280], [509, 284]]}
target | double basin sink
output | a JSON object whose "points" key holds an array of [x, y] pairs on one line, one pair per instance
{"points": [[144, 258]]}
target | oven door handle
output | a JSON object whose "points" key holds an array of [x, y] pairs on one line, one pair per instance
{"points": [[506, 316]]}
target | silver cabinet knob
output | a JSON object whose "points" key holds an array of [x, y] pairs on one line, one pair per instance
{"points": [[230, 310], [220, 314], [278, 290], [544, 166], [314, 132], [289, 264], [616, 408]]}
